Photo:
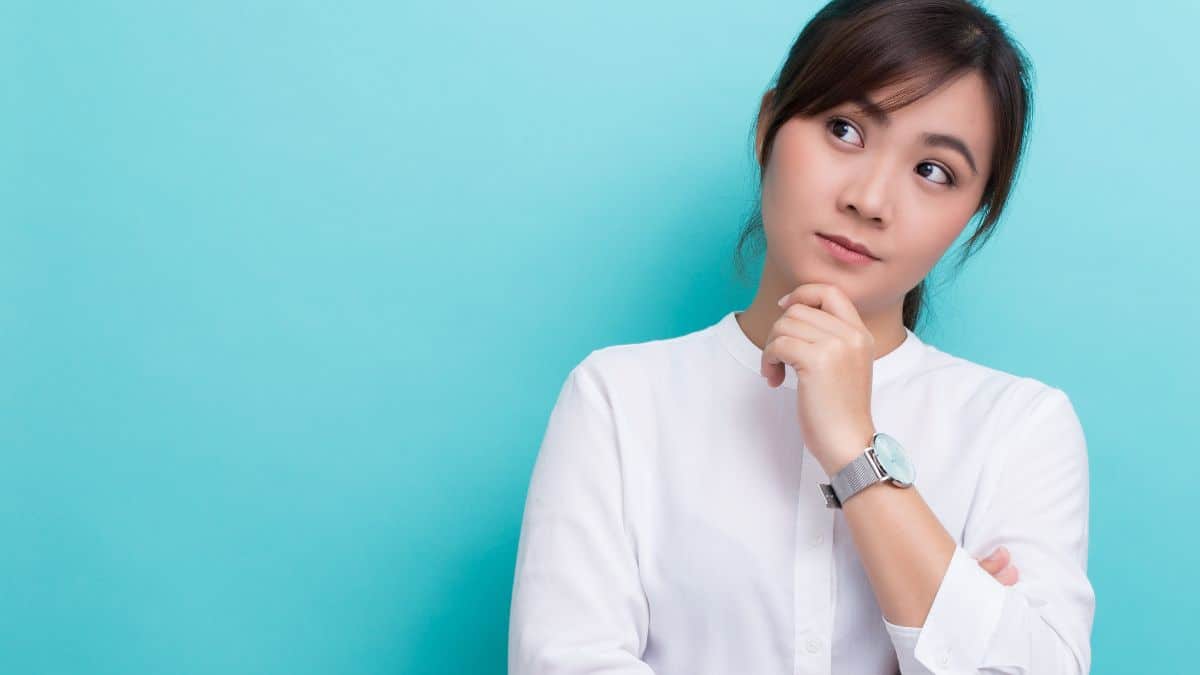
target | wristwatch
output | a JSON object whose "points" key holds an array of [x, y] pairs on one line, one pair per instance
{"points": [[884, 459]]}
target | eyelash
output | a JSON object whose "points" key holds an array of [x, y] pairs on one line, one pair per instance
{"points": [[951, 180]]}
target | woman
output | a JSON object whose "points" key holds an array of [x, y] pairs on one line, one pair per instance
{"points": [[824, 514]]}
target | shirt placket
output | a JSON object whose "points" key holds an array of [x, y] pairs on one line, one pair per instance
{"points": [[813, 574]]}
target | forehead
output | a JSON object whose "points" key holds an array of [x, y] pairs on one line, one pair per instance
{"points": [[960, 107]]}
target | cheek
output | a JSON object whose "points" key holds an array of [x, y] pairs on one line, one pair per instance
{"points": [[930, 240], [797, 179]]}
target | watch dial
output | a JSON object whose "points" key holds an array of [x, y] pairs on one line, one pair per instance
{"points": [[892, 457]]}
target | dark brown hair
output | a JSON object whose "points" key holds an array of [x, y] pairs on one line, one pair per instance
{"points": [[853, 47]]}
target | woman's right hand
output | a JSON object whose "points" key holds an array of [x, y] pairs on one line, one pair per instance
{"points": [[997, 564]]}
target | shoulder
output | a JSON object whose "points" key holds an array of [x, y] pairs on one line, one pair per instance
{"points": [[971, 383], [625, 385], [636, 364], [1025, 417]]}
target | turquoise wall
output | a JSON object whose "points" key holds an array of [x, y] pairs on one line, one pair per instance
{"points": [[288, 288]]}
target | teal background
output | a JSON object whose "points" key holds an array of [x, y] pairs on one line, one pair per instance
{"points": [[288, 290]]}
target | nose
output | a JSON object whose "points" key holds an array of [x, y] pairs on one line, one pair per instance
{"points": [[867, 193]]}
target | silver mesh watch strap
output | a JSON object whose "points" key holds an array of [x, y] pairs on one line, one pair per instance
{"points": [[851, 479]]}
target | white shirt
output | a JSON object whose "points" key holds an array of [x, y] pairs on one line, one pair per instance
{"points": [[673, 523]]}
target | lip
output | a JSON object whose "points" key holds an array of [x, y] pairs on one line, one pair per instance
{"points": [[849, 244]]}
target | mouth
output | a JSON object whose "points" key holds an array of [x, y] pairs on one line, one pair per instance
{"points": [[846, 250]]}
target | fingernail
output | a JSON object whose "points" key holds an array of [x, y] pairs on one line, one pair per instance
{"points": [[780, 301]]}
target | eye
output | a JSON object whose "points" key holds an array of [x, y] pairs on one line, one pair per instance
{"points": [[949, 182], [838, 127], [836, 124]]}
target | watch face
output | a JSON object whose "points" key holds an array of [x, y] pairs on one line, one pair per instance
{"points": [[893, 459]]}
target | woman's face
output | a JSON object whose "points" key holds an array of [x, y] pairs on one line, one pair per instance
{"points": [[845, 173]]}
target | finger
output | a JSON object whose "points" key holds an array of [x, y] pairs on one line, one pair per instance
{"points": [[1007, 576], [796, 327], [819, 318], [772, 367], [996, 561], [778, 354], [826, 297]]}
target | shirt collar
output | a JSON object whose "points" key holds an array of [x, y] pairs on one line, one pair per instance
{"points": [[748, 354]]}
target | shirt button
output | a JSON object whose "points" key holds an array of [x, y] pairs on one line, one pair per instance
{"points": [[944, 659], [814, 645], [816, 541]]}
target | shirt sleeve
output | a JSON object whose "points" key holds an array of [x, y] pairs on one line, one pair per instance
{"points": [[1039, 511], [577, 600]]}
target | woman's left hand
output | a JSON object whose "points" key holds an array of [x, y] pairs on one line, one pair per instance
{"points": [[821, 335]]}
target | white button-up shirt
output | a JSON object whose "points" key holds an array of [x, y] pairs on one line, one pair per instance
{"points": [[674, 525]]}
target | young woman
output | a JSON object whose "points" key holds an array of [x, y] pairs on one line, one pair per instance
{"points": [[805, 485]]}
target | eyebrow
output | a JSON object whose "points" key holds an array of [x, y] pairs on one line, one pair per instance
{"points": [[928, 138]]}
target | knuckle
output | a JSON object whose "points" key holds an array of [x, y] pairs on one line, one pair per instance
{"points": [[825, 356]]}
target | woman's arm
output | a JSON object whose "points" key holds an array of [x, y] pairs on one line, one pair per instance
{"points": [[943, 611], [577, 601]]}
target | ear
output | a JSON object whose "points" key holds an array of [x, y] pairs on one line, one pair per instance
{"points": [[761, 125]]}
